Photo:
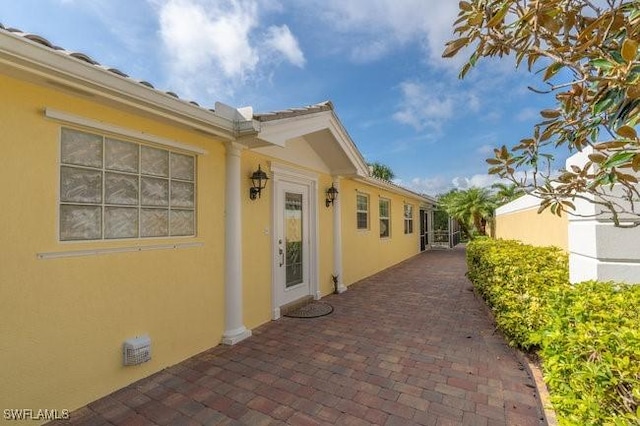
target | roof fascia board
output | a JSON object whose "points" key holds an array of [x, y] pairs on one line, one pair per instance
{"points": [[30, 57], [395, 188]]}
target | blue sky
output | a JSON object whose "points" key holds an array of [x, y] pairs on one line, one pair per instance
{"points": [[378, 61]]}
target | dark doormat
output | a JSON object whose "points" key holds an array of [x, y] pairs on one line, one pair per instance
{"points": [[313, 309]]}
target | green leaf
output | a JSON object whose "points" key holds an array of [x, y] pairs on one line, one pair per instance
{"points": [[552, 70], [602, 64], [618, 159]]}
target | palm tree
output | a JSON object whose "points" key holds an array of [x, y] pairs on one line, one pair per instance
{"points": [[472, 208], [506, 193], [381, 171]]}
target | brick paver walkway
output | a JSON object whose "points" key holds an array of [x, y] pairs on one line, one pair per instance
{"points": [[411, 345]]}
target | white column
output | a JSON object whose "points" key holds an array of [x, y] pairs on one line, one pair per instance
{"points": [[597, 249], [337, 238], [234, 329]]}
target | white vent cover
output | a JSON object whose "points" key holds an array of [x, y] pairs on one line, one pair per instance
{"points": [[136, 350]]}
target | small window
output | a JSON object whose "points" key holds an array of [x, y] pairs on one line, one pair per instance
{"points": [[112, 189], [385, 218], [362, 211], [408, 219]]}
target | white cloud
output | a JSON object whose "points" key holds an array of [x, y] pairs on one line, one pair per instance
{"points": [[422, 108], [478, 180], [430, 186], [428, 23], [216, 46], [281, 40]]}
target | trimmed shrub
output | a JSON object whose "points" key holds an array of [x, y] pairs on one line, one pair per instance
{"points": [[588, 334], [515, 280], [591, 354]]}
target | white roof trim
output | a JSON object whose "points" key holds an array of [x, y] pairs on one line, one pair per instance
{"points": [[31, 58], [279, 131], [390, 186]]}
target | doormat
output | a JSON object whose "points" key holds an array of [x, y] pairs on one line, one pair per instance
{"points": [[310, 310]]}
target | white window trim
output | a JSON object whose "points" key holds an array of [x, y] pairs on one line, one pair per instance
{"points": [[368, 212], [88, 123], [388, 218], [407, 219], [126, 249]]}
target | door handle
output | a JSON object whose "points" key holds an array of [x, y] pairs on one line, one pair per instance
{"points": [[281, 257]]}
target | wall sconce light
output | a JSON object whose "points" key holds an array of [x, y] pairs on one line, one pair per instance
{"points": [[258, 183], [332, 194]]}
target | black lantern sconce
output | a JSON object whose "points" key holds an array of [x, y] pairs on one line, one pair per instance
{"points": [[332, 194], [258, 183]]}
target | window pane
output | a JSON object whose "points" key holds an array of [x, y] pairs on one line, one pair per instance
{"points": [[363, 222], [182, 222], [121, 155], [121, 189], [155, 192], [154, 161], [384, 208], [154, 223], [80, 222], [182, 166], [408, 211], [384, 228], [182, 194], [362, 203], [83, 149], [120, 222], [80, 185]]}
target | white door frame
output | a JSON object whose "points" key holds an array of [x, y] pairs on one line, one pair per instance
{"points": [[281, 173]]}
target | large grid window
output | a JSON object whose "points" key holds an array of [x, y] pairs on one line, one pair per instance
{"points": [[113, 189], [385, 218], [408, 219], [362, 211]]}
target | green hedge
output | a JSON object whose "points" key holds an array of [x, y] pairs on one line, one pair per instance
{"points": [[588, 335], [515, 280], [591, 353]]}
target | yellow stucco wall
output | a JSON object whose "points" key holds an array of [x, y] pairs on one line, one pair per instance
{"points": [[364, 253], [64, 320], [257, 232], [544, 229]]}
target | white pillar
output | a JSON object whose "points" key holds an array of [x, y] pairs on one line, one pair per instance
{"points": [[234, 329], [337, 238], [597, 249]]}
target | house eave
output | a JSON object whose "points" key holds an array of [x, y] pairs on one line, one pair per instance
{"points": [[390, 186], [27, 60]]}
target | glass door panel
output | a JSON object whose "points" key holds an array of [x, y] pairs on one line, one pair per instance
{"points": [[293, 215]]}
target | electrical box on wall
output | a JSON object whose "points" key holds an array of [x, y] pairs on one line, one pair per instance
{"points": [[136, 350]]}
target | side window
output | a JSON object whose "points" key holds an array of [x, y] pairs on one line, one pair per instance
{"points": [[114, 189], [385, 218], [362, 211], [408, 219]]}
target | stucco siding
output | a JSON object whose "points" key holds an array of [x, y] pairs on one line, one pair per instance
{"points": [[65, 318], [544, 229]]}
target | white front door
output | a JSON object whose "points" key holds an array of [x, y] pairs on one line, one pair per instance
{"points": [[292, 243]]}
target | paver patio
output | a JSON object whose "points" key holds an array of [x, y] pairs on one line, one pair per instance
{"points": [[410, 345]]}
